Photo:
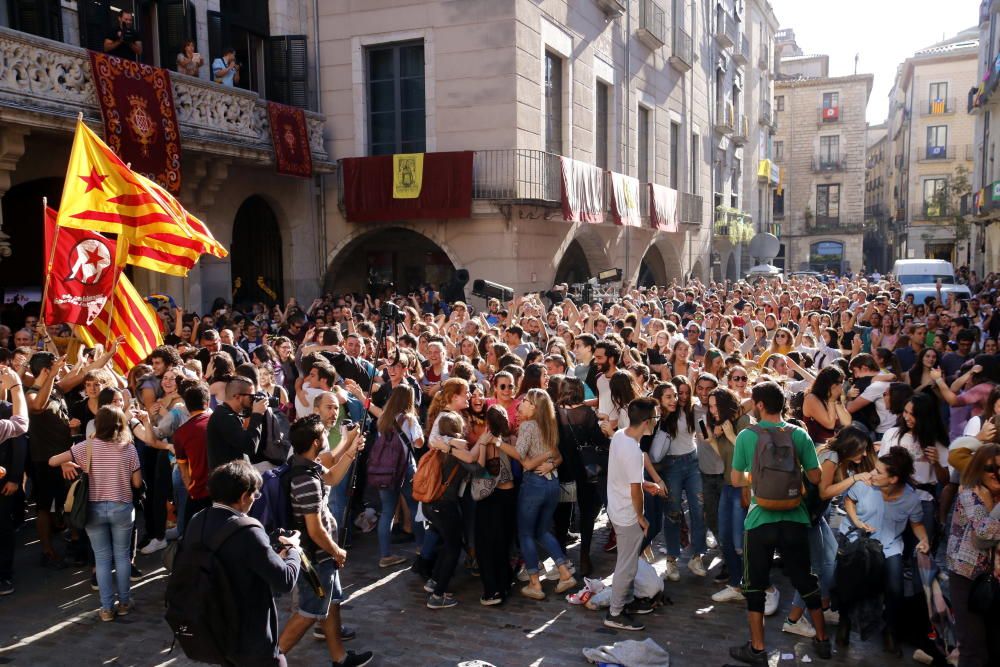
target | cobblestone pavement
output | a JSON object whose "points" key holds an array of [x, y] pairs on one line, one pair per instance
{"points": [[51, 620]]}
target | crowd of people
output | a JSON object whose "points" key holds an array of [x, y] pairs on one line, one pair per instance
{"points": [[742, 421]]}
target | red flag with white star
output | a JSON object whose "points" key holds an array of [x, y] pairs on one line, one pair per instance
{"points": [[81, 273]]}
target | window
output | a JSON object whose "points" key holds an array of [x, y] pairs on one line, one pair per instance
{"points": [[675, 155], [285, 62], [553, 104], [829, 151], [396, 112], [642, 151], [938, 91], [37, 17], [694, 163], [779, 151], [778, 205], [827, 203], [601, 126], [734, 185], [935, 196], [831, 100], [779, 103], [937, 136]]}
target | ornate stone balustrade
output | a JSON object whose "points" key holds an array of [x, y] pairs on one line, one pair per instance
{"points": [[46, 83]]}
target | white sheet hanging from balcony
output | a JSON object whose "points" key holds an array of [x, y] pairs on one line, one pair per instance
{"points": [[582, 191], [663, 207], [625, 199]]}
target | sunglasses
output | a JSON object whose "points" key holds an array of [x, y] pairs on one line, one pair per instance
{"points": [[991, 469], [505, 386], [739, 378]]}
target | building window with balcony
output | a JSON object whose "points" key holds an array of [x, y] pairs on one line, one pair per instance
{"points": [[37, 17], [734, 185], [935, 197], [831, 106], [779, 151], [779, 103], [829, 152], [937, 142], [937, 98], [601, 125], [553, 103], [827, 204], [642, 152], [778, 204], [396, 111], [675, 155]]}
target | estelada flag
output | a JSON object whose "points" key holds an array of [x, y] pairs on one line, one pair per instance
{"points": [[81, 273], [130, 317], [102, 194]]}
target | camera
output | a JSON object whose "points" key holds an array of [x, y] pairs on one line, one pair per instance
{"points": [[130, 36], [390, 312], [276, 543], [272, 401]]}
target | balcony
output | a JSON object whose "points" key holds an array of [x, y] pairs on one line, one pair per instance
{"points": [[690, 208], [764, 59], [823, 164], [724, 118], [930, 211], [682, 53], [741, 54], [726, 33], [652, 24], [937, 107], [829, 224], [765, 113], [612, 8], [45, 84], [936, 153], [771, 228], [733, 224], [516, 175], [741, 131], [830, 114]]}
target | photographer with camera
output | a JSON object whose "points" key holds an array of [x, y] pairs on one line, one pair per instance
{"points": [[313, 473], [227, 438], [226, 70], [123, 40]]}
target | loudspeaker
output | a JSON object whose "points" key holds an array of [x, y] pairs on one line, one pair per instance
{"points": [[462, 277]]}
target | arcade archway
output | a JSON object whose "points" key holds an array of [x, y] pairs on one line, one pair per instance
{"points": [[256, 263], [393, 256], [573, 267]]}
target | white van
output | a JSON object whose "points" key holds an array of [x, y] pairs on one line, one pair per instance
{"points": [[923, 271]]}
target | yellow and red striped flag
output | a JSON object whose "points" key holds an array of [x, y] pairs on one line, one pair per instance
{"points": [[102, 194], [127, 315]]}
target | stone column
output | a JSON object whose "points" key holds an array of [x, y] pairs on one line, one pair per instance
{"points": [[11, 150]]}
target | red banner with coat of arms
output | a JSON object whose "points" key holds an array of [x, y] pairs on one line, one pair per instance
{"points": [[140, 120], [290, 137]]}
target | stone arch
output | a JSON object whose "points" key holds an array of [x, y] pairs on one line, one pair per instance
{"points": [[698, 270], [582, 240], [827, 254], [652, 270], [256, 259], [573, 267], [22, 213], [403, 255]]}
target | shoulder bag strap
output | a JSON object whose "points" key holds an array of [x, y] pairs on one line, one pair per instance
{"points": [[228, 529]]}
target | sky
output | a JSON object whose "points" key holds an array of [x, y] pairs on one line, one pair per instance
{"points": [[883, 33]]}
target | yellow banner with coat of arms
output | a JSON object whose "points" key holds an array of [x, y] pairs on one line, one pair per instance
{"points": [[407, 175]]}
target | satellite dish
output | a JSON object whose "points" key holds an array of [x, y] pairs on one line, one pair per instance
{"points": [[764, 247]]}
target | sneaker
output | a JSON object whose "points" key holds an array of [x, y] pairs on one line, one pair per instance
{"points": [[171, 534], [771, 599], [492, 600], [93, 582], [672, 573], [566, 584], [430, 585], [612, 544], [135, 574], [533, 593], [822, 648], [522, 575], [6, 586], [729, 594], [801, 627], [353, 659], [106, 615], [390, 560], [746, 653], [125, 608], [697, 567], [640, 606], [347, 633], [623, 622], [440, 602], [153, 546], [922, 657], [832, 617]]}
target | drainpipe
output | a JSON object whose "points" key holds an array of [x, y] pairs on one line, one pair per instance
{"points": [[628, 117], [319, 191]]}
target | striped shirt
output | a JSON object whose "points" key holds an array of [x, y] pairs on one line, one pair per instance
{"points": [[308, 495], [111, 468]]}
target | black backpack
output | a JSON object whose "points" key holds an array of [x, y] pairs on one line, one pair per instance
{"points": [[276, 445], [201, 605]]}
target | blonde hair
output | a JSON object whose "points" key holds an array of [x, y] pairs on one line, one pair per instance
{"points": [[450, 388], [545, 417]]}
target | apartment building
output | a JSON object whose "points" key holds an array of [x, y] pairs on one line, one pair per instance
{"points": [[932, 146], [821, 148], [982, 207], [878, 248], [270, 222]]}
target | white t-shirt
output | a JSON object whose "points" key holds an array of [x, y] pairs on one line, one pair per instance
{"points": [[873, 394], [311, 392], [972, 427], [923, 470], [624, 470], [604, 404]]}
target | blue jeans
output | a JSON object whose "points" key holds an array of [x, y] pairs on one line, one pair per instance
{"points": [[682, 475], [109, 527], [822, 559], [731, 518], [180, 498], [388, 499], [536, 505], [338, 499]]}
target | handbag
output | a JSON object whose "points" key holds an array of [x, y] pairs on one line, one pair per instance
{"points": [[567, 492], [78, 496], [593, 458], [984, 596]]}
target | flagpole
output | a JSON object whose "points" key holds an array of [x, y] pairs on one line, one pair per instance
{"points": [[121, 253], [52, 258]]}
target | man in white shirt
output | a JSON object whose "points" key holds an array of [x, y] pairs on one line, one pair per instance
{"points": [[607, 356], [625, 511]]}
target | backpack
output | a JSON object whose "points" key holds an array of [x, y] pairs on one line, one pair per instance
{"points": [[277, 445], [273, 509], [388, 459], [200, 602], [775, 475], [428, 486]]}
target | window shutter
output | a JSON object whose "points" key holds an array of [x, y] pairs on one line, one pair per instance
{"points": [[95, 21], [287, 68], [38, 17], [215, 45], [173, 30]]}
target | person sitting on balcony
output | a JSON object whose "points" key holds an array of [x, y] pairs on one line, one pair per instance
{"points": [[189, 61], [123, 40], [226, 70]]}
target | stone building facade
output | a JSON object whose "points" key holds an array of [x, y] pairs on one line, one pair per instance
{"points": [[821, 144], [878, 248]]}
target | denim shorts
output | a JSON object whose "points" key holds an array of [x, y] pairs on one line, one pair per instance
{"points": [[310, 604]]}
